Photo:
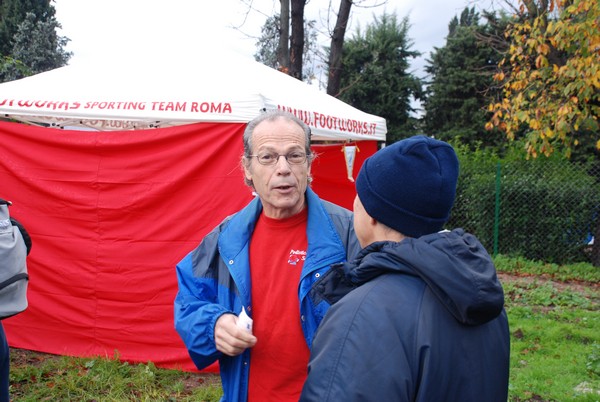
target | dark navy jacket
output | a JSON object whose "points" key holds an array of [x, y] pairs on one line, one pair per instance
{"points": [[419, 320]]}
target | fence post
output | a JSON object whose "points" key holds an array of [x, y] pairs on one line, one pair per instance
{"points": [[497, 209]]}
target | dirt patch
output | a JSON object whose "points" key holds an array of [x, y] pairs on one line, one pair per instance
{"points": [[575, 286], [192, 380], [23, 357]]}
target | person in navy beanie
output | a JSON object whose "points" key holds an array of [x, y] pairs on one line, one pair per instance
{"points": [[410, 186], [419, 314]]}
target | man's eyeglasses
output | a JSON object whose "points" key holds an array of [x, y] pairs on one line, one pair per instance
{"points": [[269, 158]]}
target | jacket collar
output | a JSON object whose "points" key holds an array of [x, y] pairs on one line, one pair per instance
{"points": [[323, 241], [454, 265]]}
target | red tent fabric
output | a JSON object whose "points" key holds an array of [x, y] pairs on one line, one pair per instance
{"points": [[110, 214], [330, 174]]}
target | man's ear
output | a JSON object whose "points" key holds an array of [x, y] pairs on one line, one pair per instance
{"points": [[247, 173]]}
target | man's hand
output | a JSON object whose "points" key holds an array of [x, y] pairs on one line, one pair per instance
{"points": [[229, 338]]}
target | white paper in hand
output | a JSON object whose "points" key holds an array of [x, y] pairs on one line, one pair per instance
{"points": [[244, 322]]}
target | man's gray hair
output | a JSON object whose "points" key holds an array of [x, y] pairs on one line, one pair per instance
{"points": [[273, 115]]}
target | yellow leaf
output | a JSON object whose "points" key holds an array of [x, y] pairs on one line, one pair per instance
{"points": [[564, 109], [543, 48]]}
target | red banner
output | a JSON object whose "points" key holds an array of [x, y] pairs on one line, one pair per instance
{"points": [[110, 215]]}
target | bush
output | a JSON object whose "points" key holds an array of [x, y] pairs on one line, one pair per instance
{"points": [[544, 209]]}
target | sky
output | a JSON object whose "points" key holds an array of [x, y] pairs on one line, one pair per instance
{"points": [[115, 29]]}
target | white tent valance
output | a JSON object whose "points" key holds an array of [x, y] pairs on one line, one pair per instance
{"points": [[160, 92]]}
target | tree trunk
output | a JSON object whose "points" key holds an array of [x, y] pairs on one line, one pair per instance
{"points": [[297, 38], [337, 43], [283, 50], [535, 8]]}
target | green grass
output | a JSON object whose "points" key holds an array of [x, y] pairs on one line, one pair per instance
{"points": [[60, 378], [552, 354], [554, 315], [519, 266], [554, 319]]}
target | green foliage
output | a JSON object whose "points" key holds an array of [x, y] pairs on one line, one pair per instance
{"points": [[461, 76], [474, 203], [38, 46], [549, 76], [11, 68], [546, 207], [266, 46], [566, 203], [35, 46], [12, 13], [376, 77]]}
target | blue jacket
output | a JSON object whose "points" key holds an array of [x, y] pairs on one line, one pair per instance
{"points": [[214, 279], [419, 320]]}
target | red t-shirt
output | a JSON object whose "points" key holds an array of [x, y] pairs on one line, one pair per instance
{"points": [[279, 360]]}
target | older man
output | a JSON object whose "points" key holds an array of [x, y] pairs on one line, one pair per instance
{"points": [[264, 259]]}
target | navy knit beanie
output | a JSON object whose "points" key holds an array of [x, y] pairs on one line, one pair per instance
{"points": [[410, 185]]}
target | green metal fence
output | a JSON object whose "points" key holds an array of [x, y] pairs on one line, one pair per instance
{"points": [[545, 210]]}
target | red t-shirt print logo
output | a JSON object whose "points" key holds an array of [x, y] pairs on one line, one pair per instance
{"points": [[296, 256]]}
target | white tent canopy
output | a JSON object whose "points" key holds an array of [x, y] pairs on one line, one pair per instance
{"points": [[152, 91]]}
